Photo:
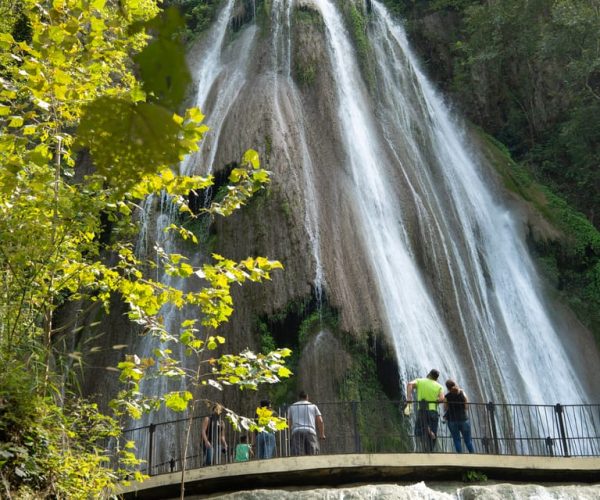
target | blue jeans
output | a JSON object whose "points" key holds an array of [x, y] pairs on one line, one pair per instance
{"points": [[456, 429], [265, 444], [212, 456]]}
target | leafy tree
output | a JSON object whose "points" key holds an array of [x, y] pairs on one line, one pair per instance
{"points": [[83, 142]]}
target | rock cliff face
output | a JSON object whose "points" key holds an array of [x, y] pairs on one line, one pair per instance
{"points": [[270, 83], [288, 114]]}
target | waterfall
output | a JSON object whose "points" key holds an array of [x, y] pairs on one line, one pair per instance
{"points": [[289, 118], [219, 78], [449, 268], [413, 175]]}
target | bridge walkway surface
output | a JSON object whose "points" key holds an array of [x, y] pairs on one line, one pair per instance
{"points": [[334, 470]]}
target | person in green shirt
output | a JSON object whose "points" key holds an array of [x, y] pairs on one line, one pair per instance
{"points": [[429, 394], [243, 451]]}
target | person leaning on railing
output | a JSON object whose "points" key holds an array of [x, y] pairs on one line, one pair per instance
{"points": [[304, 420], [457, 417], [429, 394]]}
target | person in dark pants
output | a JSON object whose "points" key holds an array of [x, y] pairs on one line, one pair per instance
{"points": [[213, 436], [457, 417], [304, 420], [429, 394]]}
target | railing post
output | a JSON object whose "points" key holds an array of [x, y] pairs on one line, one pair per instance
{"points": [[284, 436], [357, 445], [558, 409], [486, 444], [550, 445], [491, 408], [151, 429]]}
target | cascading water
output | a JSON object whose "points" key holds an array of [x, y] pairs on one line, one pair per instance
{"points": [[415, 153], [220, 75], [411, 316], [293, 126]]}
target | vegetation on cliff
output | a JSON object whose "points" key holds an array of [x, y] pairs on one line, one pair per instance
{"points": [[83, 141]]}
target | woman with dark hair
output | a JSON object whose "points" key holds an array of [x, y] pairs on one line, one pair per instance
{"points": [[456, 414], [213, 436]]}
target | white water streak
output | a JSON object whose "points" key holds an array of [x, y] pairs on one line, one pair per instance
{"points": [[287, 96], [420, 336], [512, 315], [464, 231], [219, 80]]}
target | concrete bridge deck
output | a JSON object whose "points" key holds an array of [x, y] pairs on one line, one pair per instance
{"points": [[332, 470]]}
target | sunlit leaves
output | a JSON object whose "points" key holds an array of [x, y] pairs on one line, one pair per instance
{"points": [[247, 369], [245, 182], [82, 143], [177, 401]]}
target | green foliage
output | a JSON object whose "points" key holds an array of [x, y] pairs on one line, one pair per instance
{"points": [[382, 426], [306, 64], [357, 21], [82, 142], [198, 14], [316, 321], [413, 8], [305, 72], [528, 72], [10, 13], [571, 261], [161, 64], [473, 476], [267, 342], [52, 450]]}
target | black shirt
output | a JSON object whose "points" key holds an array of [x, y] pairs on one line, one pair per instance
{"points": [[456, 406]]}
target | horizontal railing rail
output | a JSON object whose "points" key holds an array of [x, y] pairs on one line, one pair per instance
{"points": [[383, 427]]}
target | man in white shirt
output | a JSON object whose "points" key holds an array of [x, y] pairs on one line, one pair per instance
{"points": [[304, 420]]}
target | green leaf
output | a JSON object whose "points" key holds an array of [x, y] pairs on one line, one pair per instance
{"points": [[177, 401], [15, 121], [128, 140], [251, 156], [162, 65]]}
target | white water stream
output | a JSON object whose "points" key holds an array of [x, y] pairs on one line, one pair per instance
{"points": [[219, 78], [463, 231], [289, 120]]}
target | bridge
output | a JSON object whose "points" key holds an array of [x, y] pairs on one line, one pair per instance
{"points": [[374, 442], [333, 470]]}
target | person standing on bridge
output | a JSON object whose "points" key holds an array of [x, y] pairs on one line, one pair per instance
{"points": [[429, 394], [265, 440], [305, 420], [213, 433], [456, 414]]}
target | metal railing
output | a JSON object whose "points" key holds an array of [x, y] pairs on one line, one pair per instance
{"points": [[382, 427]]}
